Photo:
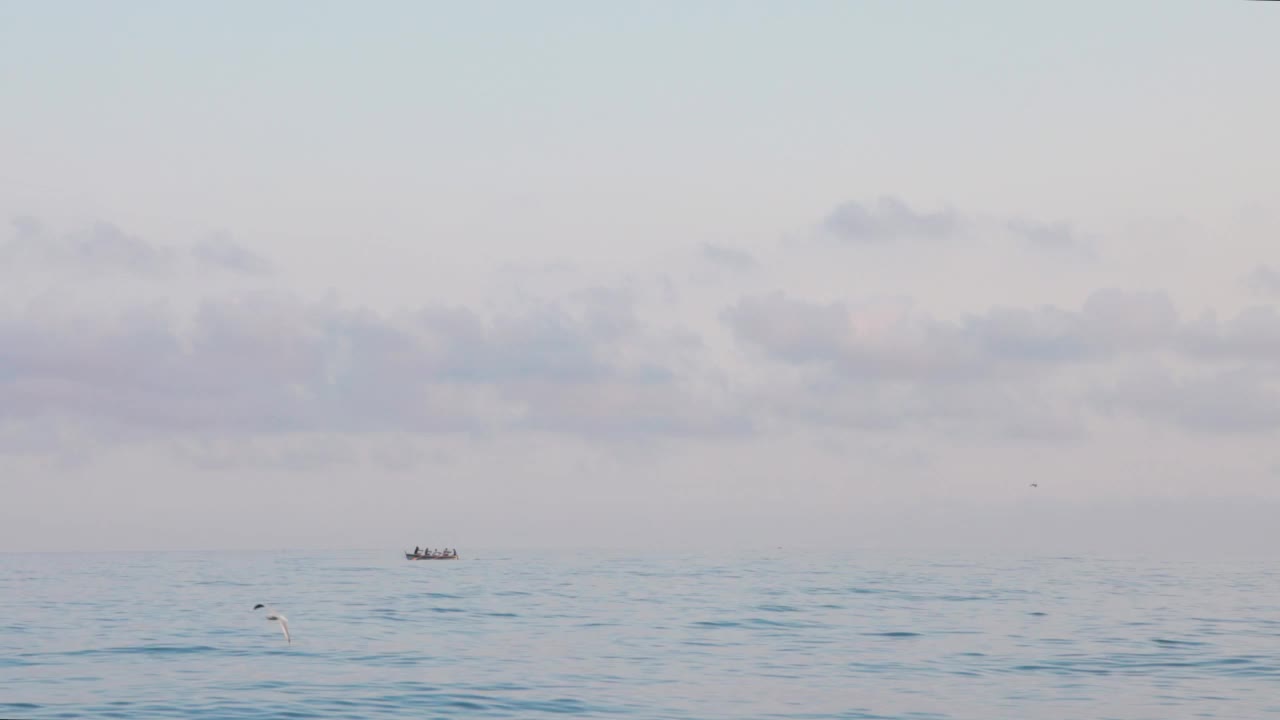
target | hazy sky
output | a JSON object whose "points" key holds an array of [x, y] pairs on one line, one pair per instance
{"points": [[652, 274]]}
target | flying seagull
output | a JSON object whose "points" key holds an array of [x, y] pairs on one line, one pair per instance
{"points": [[273, 615], [1034, 485]]}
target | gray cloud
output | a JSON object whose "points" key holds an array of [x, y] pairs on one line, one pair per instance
{"points": [[1231, 401], [294, 453], [26, 227], [269, 365], [106, 244], [889, 219], [104, 247], [873, 343], [1060, 236], [728, 257], [225, 253], [1264, 279], [1027, 368], [1253, 335]]}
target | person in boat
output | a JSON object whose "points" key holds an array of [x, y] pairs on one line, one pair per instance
{"points": [[415, 550]]}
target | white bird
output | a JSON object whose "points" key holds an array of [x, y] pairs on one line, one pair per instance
{"points": [[273, 615]]}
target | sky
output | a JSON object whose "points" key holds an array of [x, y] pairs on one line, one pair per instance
{"points": [[655, 275]]}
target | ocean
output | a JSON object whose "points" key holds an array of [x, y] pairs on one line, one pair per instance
{"points": [[510, 634]]}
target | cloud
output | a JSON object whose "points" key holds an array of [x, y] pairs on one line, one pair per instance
{"points": [[1263, 279], [1059, 236], [1253, 335], [1234, 401], [104, 247], [593, 364], [298, 452], [728, 257], [224, 253], [889, 219], [101, 246], [269, 365], [26, 227], [105, 244], [1028, 369], [878, 341]]}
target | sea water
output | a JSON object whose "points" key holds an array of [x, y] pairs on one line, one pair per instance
{"points": [[740, 635]]}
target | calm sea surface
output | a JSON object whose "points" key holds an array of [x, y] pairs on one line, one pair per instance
{"points": [[513, 635]]}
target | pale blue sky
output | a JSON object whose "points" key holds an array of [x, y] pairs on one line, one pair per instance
{"points": [[674, 265], [482, 106]]}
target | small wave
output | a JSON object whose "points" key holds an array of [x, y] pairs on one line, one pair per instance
{"points": [[135, 650], [221, 583], [565, 706], [387, 660], [778, 608], [768, 622], [717, 623], [1060, 669], [894, 634]]}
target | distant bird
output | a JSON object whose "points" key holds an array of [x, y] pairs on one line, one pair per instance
{"points": [[273, 615], [1034, 485]]}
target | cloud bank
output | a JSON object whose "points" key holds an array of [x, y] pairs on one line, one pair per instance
{"points": [[262, 377]]}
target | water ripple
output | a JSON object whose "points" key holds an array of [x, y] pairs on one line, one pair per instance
{"points": [[806, 637]]}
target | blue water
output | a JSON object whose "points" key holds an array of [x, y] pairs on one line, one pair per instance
{"points": [[518, 635]]}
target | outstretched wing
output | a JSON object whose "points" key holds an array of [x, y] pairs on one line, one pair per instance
{"points": [[284, 626]]}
